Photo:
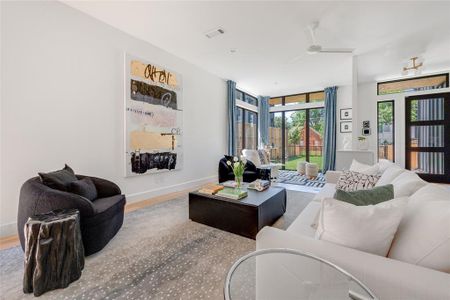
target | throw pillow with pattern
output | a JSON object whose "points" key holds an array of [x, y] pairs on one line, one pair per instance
{"points": [[262, 157], [351, 181]]}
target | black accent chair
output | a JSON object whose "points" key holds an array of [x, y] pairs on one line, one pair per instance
{"points": [[100, 219], [251, 173]]}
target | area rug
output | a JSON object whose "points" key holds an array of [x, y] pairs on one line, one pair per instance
{"points": [[293, 177], [158, 254]]}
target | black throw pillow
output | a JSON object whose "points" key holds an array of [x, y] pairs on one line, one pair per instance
{"points": [[60, 179], [229, 157], [84, 187]]}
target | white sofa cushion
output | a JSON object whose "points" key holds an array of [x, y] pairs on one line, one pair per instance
{"points": [[406, 184], [383, 165], [356, 166], [368, 228], [389, 175], [302, 224], [423, 236], [327, 191], [389, 279]]}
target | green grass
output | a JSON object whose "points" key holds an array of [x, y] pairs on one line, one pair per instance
{"points": [[291, 164]]}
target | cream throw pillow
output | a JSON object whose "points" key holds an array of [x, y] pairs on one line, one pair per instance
{"points": [[407, 183], [356, 166], [389, 175], [367, 228], [423, 236]]}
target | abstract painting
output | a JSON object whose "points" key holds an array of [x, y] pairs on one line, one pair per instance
{"points": [[153, 118]]}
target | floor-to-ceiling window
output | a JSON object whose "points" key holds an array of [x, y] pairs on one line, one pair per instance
{"points": [[246, 122], [276, 136], [386, 131], [297, 129]]}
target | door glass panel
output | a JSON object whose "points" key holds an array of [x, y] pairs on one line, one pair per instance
{"points": [[316, 131], [251, 133], [295, 135], [427, 162], [427, 136], [275, 136], [239, 123], [427, 109], [386, 130]]}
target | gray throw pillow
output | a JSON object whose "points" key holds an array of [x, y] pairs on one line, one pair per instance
{"points": [[366, 197], [84, 187], [60, 179]]}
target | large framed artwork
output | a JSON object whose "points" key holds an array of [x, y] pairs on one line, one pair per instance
{"points": [[153, 118]]}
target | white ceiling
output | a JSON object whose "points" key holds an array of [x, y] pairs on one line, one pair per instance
{"points": [[268, 35]]}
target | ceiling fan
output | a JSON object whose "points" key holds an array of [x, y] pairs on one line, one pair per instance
{"points": [[316, 48]]}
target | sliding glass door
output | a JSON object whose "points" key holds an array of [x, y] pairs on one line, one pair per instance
{"points": [[295, 132], [316, 134], [297, 136], [427, 136], [276, 136]]}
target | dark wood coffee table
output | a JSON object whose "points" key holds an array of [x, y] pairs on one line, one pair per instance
{"points": [[244, 217]]}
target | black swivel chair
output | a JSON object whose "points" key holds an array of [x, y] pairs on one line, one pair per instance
{"points": [[100, 219], [251, 173]]}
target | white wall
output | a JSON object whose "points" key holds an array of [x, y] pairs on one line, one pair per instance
{"points": [[367, 101], [343, 100], [62, 102]]}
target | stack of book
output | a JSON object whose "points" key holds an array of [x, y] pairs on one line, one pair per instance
{"points": [[259, 185], [232, 193], [210, 189]]}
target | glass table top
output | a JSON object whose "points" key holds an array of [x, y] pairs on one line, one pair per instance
{"points": [[284, 274]]}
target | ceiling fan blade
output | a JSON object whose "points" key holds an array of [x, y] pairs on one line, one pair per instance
{"points": [[337, 50]]}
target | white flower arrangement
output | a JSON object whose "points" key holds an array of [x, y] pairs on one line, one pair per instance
{"points": [[238, 166]]}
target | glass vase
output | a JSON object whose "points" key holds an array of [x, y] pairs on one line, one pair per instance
{"points": [[238, 180]]}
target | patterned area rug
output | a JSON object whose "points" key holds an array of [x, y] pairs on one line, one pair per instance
{"points": [[158, 254], [292, 177]]}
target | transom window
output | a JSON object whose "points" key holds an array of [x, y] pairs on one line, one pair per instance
{"points": [[413, 84]]}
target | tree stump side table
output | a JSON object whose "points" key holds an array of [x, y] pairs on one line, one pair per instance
{"points": [[54, 252]]}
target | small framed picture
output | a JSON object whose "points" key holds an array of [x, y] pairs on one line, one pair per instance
{"points": [[346, 127], [346, 114]]}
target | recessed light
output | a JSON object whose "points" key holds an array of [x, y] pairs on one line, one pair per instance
{"points": [[233, 50], [275, 83]]}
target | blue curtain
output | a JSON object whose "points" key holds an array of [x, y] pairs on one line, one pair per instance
{"points": [[263, 120], [231, 117], [329, 153]]}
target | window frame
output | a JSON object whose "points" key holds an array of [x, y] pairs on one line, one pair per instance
{"points": [[245, 109], [283, 100], [393, 129], [408, 79]]}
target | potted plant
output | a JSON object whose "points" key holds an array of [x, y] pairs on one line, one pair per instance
{"points": [[238, 166]]}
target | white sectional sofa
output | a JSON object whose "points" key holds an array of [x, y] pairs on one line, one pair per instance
{"points": [[387, 277]]}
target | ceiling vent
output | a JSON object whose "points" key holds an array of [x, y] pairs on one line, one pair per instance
{"points": [[215, 32]]}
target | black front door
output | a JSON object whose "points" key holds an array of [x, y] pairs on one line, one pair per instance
{"points": [[428, 136]]}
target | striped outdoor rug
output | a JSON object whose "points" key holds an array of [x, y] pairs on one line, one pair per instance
{"points": [[292, 177]]}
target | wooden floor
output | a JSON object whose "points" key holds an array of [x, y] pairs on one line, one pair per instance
{"points": [[12, 241]]}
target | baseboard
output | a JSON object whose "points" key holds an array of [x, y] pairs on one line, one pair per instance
{"points": [[11, 228], [8, 229], [192, 184]]}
